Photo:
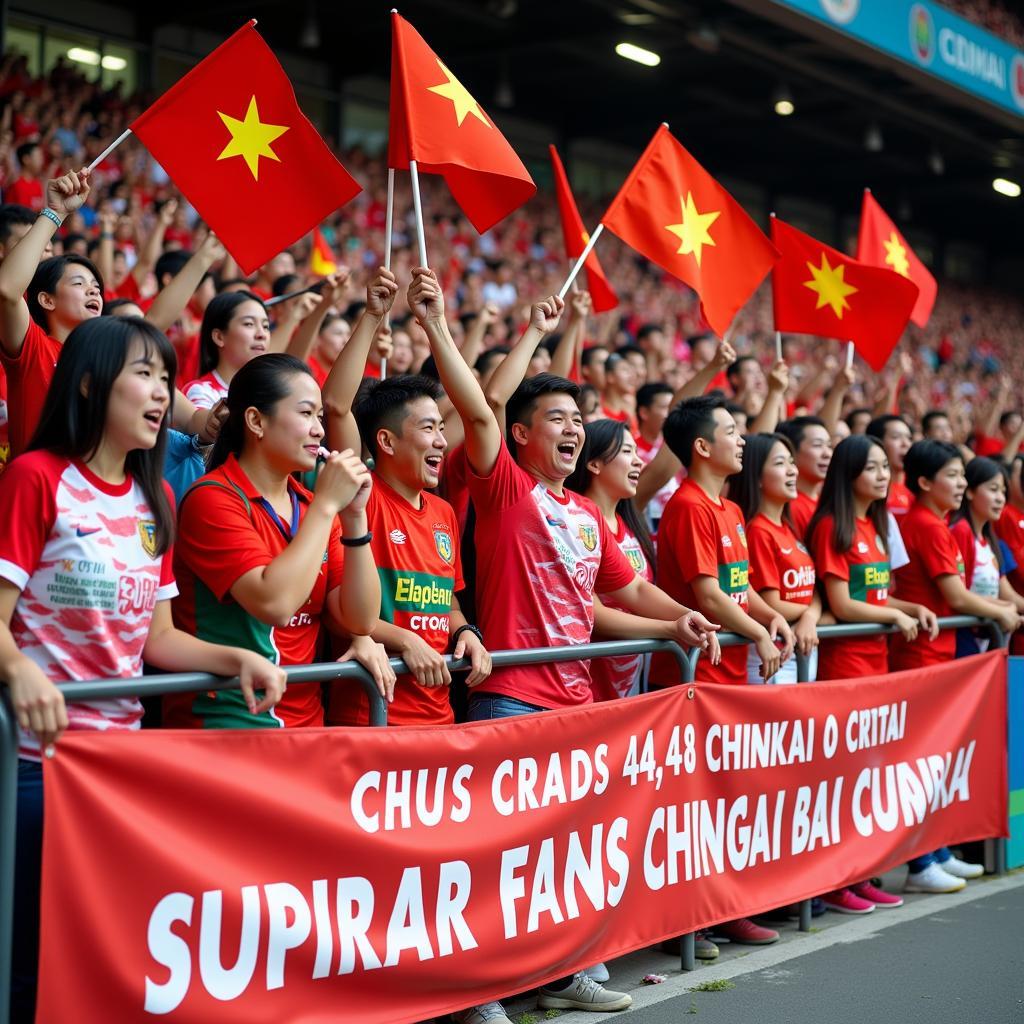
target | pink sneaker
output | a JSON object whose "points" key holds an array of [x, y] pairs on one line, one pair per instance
{"points": [[744, 931], [880, 898], [843, 901]]}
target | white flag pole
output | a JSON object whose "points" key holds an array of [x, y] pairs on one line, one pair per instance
{"points": [[388, 220], [849, 355], [579, 262], [110, 149], [420, 237], [778, 346]]}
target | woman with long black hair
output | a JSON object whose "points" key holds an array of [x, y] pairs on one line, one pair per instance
{"points": [[781, 568], [85, 572]]}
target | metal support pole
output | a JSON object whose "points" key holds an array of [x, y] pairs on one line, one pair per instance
{"points": [[8, 827], [687, 954]]}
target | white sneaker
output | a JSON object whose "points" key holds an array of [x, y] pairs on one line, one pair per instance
{"points": [[932, 880], [598, 973], [584, 994], [961, 869], [486, 1013]]}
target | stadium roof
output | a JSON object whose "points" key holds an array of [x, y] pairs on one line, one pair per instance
{"points": [[722, 64]]}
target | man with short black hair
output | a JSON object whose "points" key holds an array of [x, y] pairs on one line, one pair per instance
{"points": [[935, 426], [15, 221]]}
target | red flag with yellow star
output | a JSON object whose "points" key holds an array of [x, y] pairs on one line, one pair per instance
{"points": [[674, 213], [232, 137], [437, 123], [818, 290], [576, 238], [880, 244]]}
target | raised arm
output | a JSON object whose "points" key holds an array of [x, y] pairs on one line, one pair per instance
{"points": [[483, 436], [293, 313], [544, 317], [333, 290], [171, 301], [346, 374], [474, 343], [774, 408], [64, 195], [565, 360], [154, 244], [832, 408]]}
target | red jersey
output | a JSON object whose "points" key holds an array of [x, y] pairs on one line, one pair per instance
{"points": [[933, 553], [206, 391], [614, 677], [1010, 530], [865, 567], [801, 510], [28, 379], [900, 498], [82, 552], [319, 371], [225, 532], [699, 536], [417, 556], [778, 561], [455, 483], [26, 191], [540, 558]]}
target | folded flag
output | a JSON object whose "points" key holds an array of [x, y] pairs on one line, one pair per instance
{"points": [[436, 122], [232, 137], [818, 290], [576, 238], [674, 213]]}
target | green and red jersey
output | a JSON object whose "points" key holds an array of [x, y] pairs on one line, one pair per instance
{"points": [[224, 532], [417, 555]]}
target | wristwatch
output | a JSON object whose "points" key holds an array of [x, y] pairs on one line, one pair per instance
{"points": [[467, 628]]}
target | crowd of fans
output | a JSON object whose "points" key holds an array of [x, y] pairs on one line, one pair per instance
{"points": [[539, 475]]}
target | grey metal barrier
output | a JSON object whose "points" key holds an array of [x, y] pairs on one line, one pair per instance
{"points": [[156, 685]]}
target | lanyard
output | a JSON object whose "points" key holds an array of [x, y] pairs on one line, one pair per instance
{"points": [[285, 532]]}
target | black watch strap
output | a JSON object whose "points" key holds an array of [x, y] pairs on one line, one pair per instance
{"points": [[467, 628]]}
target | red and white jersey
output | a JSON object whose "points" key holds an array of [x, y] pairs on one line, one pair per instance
{"points": [[206, 391], [540, 559], [83, 553]]}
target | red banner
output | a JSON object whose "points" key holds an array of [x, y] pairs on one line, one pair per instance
{"points": [[391, 875]]}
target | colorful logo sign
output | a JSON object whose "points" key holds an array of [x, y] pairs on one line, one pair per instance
{"points": [[443, 543], [1017, 80], [922, 34], [147, 535], [842, 12]]}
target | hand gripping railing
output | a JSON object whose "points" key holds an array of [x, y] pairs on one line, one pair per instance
{"points": [[149, 686]]}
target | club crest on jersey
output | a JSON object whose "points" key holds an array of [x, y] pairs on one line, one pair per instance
{"points": [[443, 543], [588, 534], [636, 560], [147, 534]]}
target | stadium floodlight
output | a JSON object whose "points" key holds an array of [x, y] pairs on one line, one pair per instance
{"points": [[1005, 187], [637, 53], [784, 105], [873, 141], [114, 63], [80, 55]]}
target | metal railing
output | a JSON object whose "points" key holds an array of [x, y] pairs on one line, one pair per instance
{"points": [[187, 682]]}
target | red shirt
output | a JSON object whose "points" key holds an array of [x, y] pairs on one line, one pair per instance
{"points": [[540, 559], [865, 567], [28, 379], [455, 484], [219, 541], [417, 556], [614, 677], [698, 536], [801, 509], [933, 553], [26, 191], [778, 561], [319, 372], [1010, 530], [900, 498]]}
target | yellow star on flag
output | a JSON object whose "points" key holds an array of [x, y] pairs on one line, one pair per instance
{"points": [[896, 255], [455, 91], [693, 231], [251, 138], [830, 286]]}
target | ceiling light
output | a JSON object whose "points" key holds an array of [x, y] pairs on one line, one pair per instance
{"points": [[936, 162], [82, 56], [783, 102], [114, 63], [873, 141], [1005, 187], [646, 57]]}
